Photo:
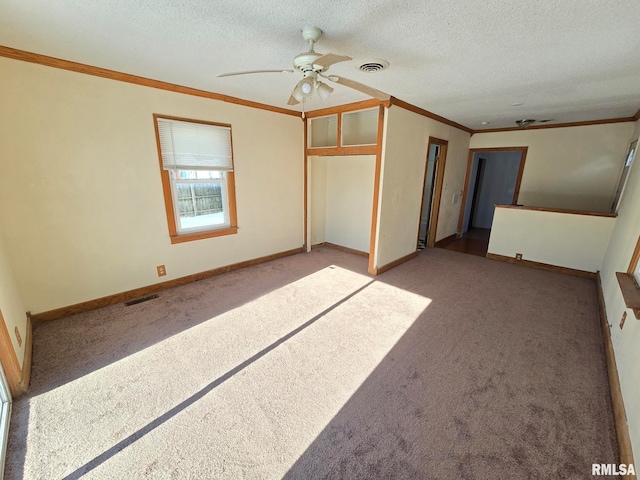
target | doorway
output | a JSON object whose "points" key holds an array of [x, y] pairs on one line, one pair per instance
{"points": [[431, 192], [493, 178], [5, 414]]}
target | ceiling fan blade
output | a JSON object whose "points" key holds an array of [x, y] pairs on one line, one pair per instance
{"points": [[252, 71], [325, 61], [361, 87], [292, 99]]}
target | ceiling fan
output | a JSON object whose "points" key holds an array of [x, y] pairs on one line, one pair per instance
{"points": [[313, 65], [525, 122]]}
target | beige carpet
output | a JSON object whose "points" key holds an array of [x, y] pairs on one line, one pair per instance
{"points": [[447, 367]]}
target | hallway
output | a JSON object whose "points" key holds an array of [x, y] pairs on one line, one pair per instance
{"points": [[474, 242]]}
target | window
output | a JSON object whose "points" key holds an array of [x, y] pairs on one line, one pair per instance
{"points": [[634, 266], [623, 176], [630, 283], [5, 414], [196, 162]]}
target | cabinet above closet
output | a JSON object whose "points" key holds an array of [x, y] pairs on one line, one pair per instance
{"points": [[344, 133]]}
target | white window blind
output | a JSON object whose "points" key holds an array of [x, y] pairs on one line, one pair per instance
{"points": [[194, 146]]}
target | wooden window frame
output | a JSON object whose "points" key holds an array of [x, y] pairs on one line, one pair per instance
{"points": [[624, 176], [168, 197], [628, 285]]}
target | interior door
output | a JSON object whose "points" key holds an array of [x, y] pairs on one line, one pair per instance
{"points": [[5, 414], [434, 155], [493, 177], [432, 192]]}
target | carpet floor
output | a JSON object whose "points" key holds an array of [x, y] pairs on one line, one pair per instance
{"points": [[449, 366]]}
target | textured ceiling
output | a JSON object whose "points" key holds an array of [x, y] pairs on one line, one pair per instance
{"points": [[568, 60]]}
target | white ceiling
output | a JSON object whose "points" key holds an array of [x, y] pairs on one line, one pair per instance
{"points": [[467, 60]]}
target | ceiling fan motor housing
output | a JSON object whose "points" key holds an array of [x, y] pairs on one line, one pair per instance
{"points": [[303, 62]]}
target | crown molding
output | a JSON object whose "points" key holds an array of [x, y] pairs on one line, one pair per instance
{"points": [[559, 125], [54, 62], [348, 107], [428, 114]]}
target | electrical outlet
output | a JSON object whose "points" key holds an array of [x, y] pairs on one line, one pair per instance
{"points": [[18, 337], [624, 317], [162, 271], [518, 256]]}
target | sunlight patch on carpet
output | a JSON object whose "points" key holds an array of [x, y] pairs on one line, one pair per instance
{"points": [[281, 399]]}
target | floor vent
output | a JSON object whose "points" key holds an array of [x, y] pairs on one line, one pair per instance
{"points": [[140, 300]]}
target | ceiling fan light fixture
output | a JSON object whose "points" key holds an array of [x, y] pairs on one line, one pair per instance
{"points": [[324, 90], [304, 89]]}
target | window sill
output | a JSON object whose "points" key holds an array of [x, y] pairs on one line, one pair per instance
{"points": [[630, 292], [189, 237]]}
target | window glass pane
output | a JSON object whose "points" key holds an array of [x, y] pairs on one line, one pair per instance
{"points": [[623, 177], [198, 174], [637, 274], [201, 205]]}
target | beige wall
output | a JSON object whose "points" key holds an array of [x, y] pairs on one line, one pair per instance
{"points": [[561, 239], [342, 200], [626, 342], [81, 202], [405, 143], [573, 168], [13, 310], [317, 214]]}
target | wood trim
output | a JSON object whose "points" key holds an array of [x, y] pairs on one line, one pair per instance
{"points": [[62, 64], [636, 117], [231, 193], [424, 187], [349, 107], [633, 264], [428, 114], [617, 401], [498, 149], [543, 266], [169, 206], [444, 240], [437, 193], [560, 210], [142, 291], [603, 121], [630, 292], [190, 237], [306, 186], [376, 190], [337, 151], [28, 354], [166, 185], [9, 361], [341, 248], [339, 132], [523, 159], [395, 263]]}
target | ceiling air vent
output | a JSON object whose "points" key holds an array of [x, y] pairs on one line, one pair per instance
{"points": [[371, 66]]}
